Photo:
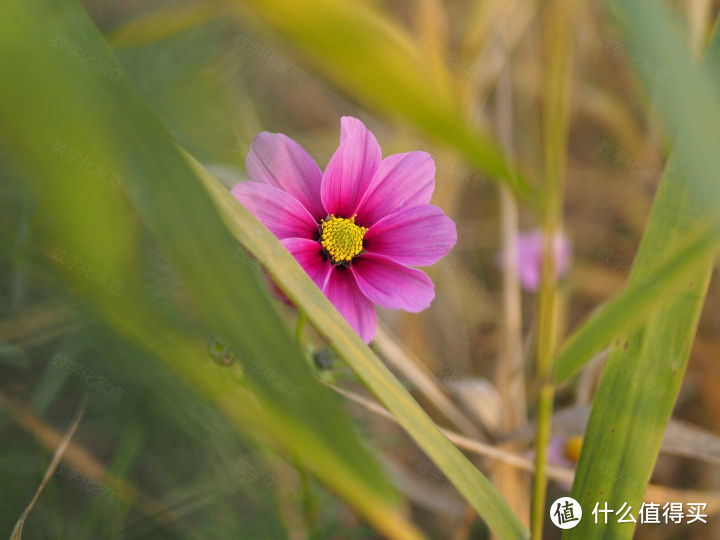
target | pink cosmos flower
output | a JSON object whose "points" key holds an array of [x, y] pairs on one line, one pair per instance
{"points": [[529, 256], [356, 229]]}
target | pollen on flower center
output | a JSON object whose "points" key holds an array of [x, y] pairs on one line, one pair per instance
{"points": [[341, 238]]}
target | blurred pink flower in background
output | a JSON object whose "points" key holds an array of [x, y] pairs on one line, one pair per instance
{"points": [[557, 453], [529, 256], [358, 227], [563, 452]]}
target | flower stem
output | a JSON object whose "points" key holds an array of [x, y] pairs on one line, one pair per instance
{"points": [[545, 347], [557, 18]]}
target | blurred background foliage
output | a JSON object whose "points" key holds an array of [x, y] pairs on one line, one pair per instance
{"points": [[152, 457]]}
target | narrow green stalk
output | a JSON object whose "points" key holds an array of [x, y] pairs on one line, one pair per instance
{"points": [[557, 46], [547, 321]]}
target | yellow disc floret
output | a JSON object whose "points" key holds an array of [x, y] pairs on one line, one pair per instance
{"points": [[341, 238], [572, 448]]}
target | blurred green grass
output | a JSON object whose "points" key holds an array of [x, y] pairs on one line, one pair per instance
{"points": [[215, 83]]}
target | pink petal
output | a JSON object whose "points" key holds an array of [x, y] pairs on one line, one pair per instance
{"points": [[417, 236], [529, 255], [357, 310], [556, 452], [530, 277], [351, 169], [275, 290], [401, 180], [392, 285], [309, 254], [277, 210], [529, 259], [281, 162]]}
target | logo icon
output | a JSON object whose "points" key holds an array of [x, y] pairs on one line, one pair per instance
{"points": [[565, 512]]}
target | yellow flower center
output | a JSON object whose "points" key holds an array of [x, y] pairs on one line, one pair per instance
{"points": [[572, 448], [341, 238]]}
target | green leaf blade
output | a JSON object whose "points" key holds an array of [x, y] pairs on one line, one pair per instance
{"points": [[644, 371]]}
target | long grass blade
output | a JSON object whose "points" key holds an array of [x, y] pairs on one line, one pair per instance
{"points": [[54, 462], [644, 370], [46, 46], [296, 284]]}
